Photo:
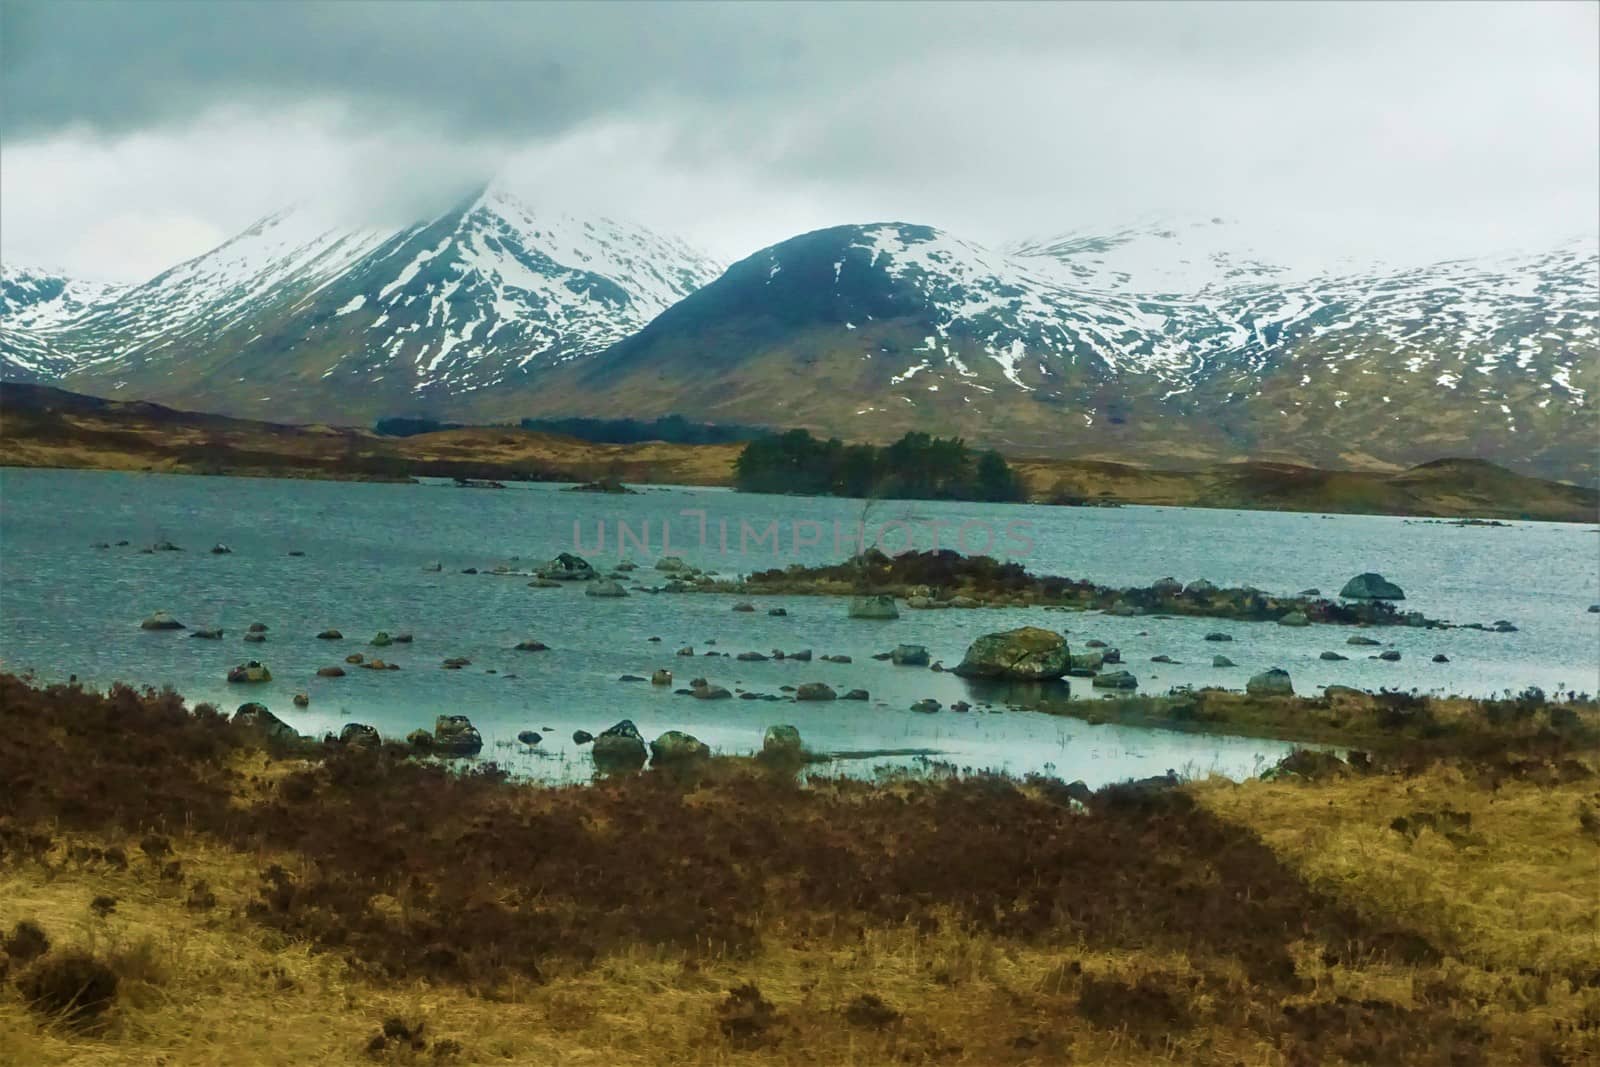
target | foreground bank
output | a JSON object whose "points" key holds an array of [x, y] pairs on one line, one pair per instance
{"points": [[171, 888]]}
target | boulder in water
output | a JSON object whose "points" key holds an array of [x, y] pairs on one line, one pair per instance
{"points": [[529, 737], [1333, 657], [531, 646], [606, 587], [1028, 653], [251, 672], [815, 691], [1359, 640], [1218, 636], [581, 737], [1371, 586], [909, 656], [661, 676], [381, 639], [616, 752], [1392, 656], [1441, 658], [330, 672], [256, 628], [1115, 680], [566, 567], [1222, 661], [256, 639], [744, 605], [330, 635], [206, 635], [1270, 683], [927, 706], [1295, 618], [873, 607], [454, 735], [161, 621], [856, 694]]}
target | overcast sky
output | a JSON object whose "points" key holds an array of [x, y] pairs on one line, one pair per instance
{"points": [[133, 135]]}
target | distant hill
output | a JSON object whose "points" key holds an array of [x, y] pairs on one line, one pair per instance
{"points": [[46, 427]]}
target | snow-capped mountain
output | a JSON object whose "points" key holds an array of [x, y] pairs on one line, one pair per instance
{"points": [[896, 327], [1171, 342], [33, 302], [299, 318]]}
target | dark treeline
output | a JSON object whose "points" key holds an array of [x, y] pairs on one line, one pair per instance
{"points": [[673, 429], [916, 467]]}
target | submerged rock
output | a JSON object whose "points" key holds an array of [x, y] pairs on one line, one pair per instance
{"points": [[330, 672], [1222, 661], [531, 646], [1441, 658], [1390, 656], [778, 612], [1219, 637], [207, 635], [1270, 683], [1115, 680], [256, 628], [381, 639], [607, 587], [1333, 656], [927, 706], [744, 606], [873, 607], [1359, 640], [1028, 653], [1371, 586], [330, 635], [256, 639], [1295, 618]]}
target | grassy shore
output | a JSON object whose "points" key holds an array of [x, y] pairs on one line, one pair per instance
{"points": [[46, 427], [1435, 904]]}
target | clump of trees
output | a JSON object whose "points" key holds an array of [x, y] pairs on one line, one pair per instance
{"points": [[916, 467]]}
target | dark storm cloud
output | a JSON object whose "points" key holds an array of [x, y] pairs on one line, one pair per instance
{"points": [[540, 68], [136, 134]]}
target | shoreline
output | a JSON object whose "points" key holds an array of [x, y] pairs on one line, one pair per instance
{"points": [[46, 428]]}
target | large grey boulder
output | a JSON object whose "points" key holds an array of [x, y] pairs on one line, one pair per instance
{"points": [[618, 749], [1028, 653], [161, 621], [1270, 683], [873, 607], [251, 672], [815, 691], [606, 588], [677, 747], [1295, 618], [359, 735], [1371, 586], [256, 717], [782, 742], [566, 568], [454, 735]]}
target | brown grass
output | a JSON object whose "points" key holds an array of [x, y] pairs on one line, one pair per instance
{"points": [[734, 916]]}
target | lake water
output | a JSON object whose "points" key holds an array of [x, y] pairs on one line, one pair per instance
{"points": [[69, 608]]}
